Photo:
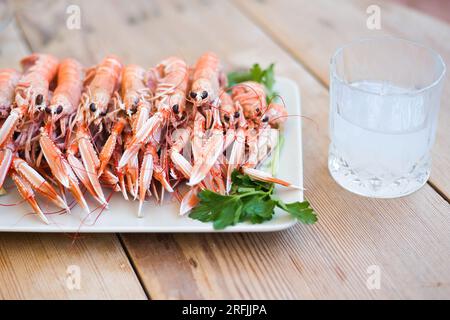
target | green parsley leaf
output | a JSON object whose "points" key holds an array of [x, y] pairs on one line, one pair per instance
{"points": [[237, 77], [228, 214], [202, 213], [259, 210], [249, 200], [300, 210], [241, 180], [269, 77]]}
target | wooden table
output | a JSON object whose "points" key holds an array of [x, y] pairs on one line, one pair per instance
{"points": [[407, 238]]}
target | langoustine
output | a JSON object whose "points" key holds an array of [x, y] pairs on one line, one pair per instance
{"points": [[132, 130], [63, 106]]}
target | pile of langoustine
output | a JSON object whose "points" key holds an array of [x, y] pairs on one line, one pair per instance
{"points": [[139, 132]]}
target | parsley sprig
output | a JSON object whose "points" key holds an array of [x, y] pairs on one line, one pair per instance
{"points": [[257, 74], [249, 200]]}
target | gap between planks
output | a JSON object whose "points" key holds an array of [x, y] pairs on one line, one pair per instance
{"points": [[307, 67], [133, 266]]}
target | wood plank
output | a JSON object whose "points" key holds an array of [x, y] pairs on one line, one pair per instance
{"points": [[312, 30], [46, 266], [328, 260], [39, 266], [437, 8]]}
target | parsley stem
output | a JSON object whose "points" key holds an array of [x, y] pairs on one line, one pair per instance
{"points": [[251, 194]]}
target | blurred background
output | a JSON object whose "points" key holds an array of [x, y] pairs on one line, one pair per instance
{"points": [[437, 8], [103, 24]]}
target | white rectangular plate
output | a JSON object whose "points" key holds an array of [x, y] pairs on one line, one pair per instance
{"points": [[121, 216]]}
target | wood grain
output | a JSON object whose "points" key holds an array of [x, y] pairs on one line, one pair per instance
{"points": [[312, 30], [35, 266], [408, 238], [45, 266]]}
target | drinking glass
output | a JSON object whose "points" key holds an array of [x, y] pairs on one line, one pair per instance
{"points": [[385, 96]]}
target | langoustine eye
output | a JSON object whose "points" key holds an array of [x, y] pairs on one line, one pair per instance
{"points": [[39, 99]]}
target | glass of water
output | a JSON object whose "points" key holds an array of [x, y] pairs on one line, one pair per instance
{"points": [[385, 96]]}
